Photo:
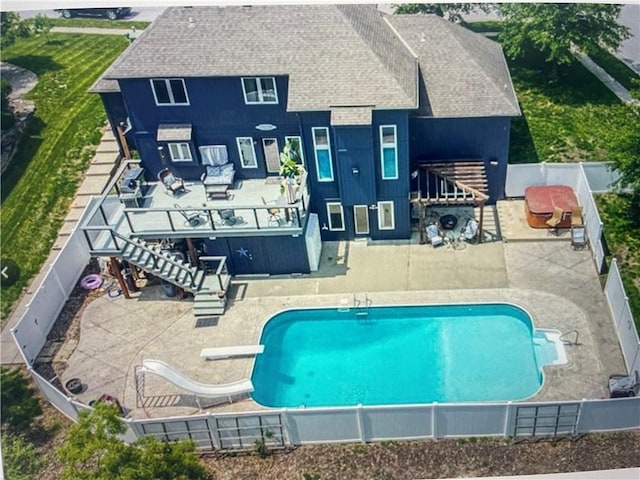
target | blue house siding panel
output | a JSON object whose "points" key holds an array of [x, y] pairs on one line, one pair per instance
{"points": [[218, 116], [274, 255], [464, 138], [354, 150], [392, 188]]}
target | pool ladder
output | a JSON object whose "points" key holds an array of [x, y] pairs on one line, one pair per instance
{"points": [[563, 338], [362, 311]]}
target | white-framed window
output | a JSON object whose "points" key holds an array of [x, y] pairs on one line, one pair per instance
{"points": [[322, 150], [296, 145], [389, 152], [259, 90], [335, 214], [169, 91], [247, 152], [180, 152], [386, 217]]}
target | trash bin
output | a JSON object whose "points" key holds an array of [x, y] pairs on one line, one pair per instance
{"points": [[170, 290]]}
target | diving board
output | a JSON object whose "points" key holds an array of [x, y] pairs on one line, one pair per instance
{"points": [[161, 369], [227, 352]]}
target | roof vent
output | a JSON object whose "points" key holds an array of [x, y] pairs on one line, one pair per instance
{"points": [[423, 37], [191, 22]]}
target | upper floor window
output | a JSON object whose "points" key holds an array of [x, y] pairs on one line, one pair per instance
{"points": [[322, 149], [389, 152], [259, 90], [296, 148], [169, 91], [180, 152]]}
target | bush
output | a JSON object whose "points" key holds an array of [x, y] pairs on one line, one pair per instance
{"points": [[21, 460]]}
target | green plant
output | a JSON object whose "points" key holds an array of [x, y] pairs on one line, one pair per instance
{"points": [[19, 405], [360, 448], [311, 476], [20, 458], [260, 446]]}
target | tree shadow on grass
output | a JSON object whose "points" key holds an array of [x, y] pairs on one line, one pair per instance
{"points": [[521, 146], [27, 148], [38, 64]]}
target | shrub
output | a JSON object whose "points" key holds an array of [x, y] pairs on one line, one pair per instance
{"points": [[19, 406], [21, 460]]}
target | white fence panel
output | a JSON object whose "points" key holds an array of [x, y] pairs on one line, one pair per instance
{"points": [[317, 426], [520, 177], [591, 218], [623, 318], [470, 420], [607, 415], [71, 261], [55, 396], [380, 423], [562, 174], [600, 176]]}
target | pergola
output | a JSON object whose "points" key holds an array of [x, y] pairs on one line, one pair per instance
{"points": [[459, 182]]}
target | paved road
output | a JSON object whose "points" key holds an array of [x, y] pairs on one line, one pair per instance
{"points": [[139, 14]]}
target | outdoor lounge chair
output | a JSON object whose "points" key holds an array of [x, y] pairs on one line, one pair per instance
{"points": [[555, 220], [434, 237], [274, 214], [172, 184], [470, 230], [576, 216], [193, 219], [578, 230], [229, 218]]}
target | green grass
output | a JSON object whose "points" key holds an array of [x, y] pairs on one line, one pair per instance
{"points": [[97, 22], [575, 118], [622, 234], [618, 70], [55, 151]]}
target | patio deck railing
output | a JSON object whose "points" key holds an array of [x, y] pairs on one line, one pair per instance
{"points": [[109, 216]]}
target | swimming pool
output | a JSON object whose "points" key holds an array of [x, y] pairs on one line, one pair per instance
{"points": [[400, 355]]}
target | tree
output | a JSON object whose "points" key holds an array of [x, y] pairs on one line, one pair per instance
{"points": [[451, 11], [12, 27], [18, 404], [92, 450], [555, 28], [42, 24]]}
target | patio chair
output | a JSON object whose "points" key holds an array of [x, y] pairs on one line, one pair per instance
{"points": [[555, 220], [193, 219], [470, 230], [274, 213], [228, 217], [172, 184], [576, 216], [434, 237]]}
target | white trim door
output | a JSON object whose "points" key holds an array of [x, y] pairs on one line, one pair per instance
{"points": [[271, 154], [361, 219]]}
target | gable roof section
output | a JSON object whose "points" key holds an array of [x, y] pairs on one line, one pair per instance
{"points": [[463, 74], [334, 56]]}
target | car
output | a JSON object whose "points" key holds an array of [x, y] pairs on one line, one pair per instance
{"points": [[112, 13]]}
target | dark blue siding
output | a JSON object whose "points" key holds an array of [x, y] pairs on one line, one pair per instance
{"points": [[218, 116], [464, 138], [355, 151], [273, 255], [116, 111]]}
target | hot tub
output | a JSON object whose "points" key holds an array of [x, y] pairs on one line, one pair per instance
{"points": [[539, 202]]}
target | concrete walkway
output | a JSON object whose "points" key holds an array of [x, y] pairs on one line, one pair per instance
{"points": [[93, 30], [610, 82]]}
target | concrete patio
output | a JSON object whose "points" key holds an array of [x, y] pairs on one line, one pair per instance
{"points": [[557, 285]]}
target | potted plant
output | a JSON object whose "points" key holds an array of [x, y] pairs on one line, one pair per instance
{"points": [[289, 169]]}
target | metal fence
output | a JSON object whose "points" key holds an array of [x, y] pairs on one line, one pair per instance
{"points": [[280, 427]]}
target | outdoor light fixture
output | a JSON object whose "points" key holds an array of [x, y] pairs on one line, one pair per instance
{"points": [[355, 170], [162, 154], [324, 226], [493, 162]]}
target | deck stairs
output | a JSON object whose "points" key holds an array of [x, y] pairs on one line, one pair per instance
{"points": [[209, 289]]}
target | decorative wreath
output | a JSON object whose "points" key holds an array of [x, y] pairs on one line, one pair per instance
{"points": [[91, 282]]}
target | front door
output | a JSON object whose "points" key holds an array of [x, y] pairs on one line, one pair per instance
{"points": [[361, 219], [271, 154]]}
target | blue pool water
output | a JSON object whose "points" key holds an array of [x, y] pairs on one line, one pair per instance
{"points": [[399, 355]]}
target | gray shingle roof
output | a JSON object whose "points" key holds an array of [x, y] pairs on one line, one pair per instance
{"points": [[334, 56], [328, 62], [463, 73]]}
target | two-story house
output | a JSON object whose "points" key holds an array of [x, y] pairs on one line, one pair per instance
{"points": [[367, 101]]}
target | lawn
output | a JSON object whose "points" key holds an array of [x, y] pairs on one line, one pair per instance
{"points": [[55, 151], [97, 22], [575, 118]]}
